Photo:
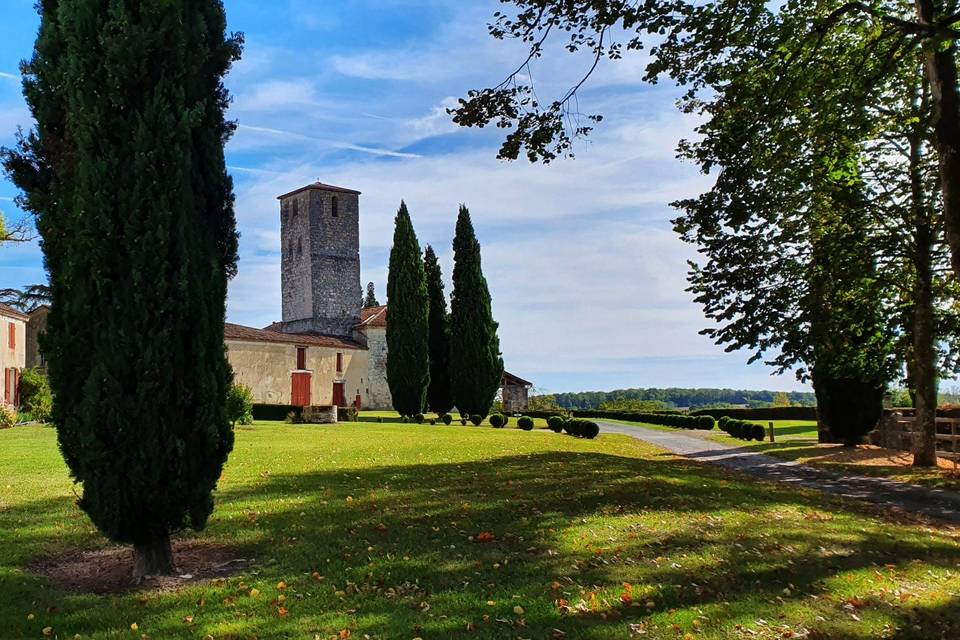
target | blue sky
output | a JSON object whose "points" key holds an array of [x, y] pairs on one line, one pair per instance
{"points": [[586, 275]]}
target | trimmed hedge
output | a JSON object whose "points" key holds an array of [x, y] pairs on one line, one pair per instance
{"points": [[476, 419], [580, 428], [676, 420], [497, 421], [556, 423], [525, 423], [274, 411], [763, 413], [446, 418], [742, 430]]}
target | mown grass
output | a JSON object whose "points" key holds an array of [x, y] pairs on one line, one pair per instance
{"points": [[595, 539]]}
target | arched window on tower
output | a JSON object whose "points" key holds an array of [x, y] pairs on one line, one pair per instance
{"points": [[334, 211]]}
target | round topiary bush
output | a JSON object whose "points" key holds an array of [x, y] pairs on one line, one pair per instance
{"points": [[496, 421], [758, 432], [506, 419], [705, 422], [418, 418], [476, 419], [525, 423], [555, 423], [590, 430], [446, 418], [463, 421]]}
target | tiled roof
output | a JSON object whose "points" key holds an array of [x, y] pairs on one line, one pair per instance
{"points": [[239, 332], [320, 187], [373, 317], [514, 381], [13, 313]]}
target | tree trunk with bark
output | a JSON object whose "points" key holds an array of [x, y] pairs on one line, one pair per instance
{"points": [[153, 558], [941, 72], [924, 369]]}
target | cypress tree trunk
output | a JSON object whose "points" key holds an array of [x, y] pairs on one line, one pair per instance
{"points": [[153, 558], [408, 361], [135, 209], [476, 365], [439, 395]]}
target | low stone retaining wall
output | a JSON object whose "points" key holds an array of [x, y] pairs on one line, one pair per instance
{"points": [[320, 414]]}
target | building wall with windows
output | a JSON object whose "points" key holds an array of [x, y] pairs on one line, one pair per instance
{"points": [[13, 341], [271, 364]]}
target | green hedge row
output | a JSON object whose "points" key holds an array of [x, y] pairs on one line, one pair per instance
{"points": [[764, 413], [679, 421], [574, 426], [742, 429]]}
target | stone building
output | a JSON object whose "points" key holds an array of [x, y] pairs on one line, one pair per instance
{"points": [[314, 356], [13, 325], [325, 350], [36, 325], [515, 393]]}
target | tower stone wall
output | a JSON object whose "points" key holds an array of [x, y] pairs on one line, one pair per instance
{"points": [[320, 260]]}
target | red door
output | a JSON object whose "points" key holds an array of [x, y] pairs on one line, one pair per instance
{"points": [[300, 395], [339, 394]]}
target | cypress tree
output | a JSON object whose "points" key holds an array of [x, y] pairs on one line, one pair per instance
{"points": [[135, 212], [475, 347], [439, 395], [371, 299], [408, 363]]}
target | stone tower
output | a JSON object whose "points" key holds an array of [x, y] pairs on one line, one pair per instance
{"points": [[320, 260]]}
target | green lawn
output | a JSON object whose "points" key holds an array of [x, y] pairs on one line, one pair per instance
{"points": [[373, 529]]}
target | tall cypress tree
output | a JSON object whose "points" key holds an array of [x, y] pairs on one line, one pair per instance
{"points": [[135, 211], [475, 347], [408, 361], [370, 300], [440, 394]]}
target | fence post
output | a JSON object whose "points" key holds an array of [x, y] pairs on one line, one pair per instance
{"points": [[771, 433]]}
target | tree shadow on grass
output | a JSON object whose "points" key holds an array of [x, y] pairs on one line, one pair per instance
{"points": [[387, 551]]}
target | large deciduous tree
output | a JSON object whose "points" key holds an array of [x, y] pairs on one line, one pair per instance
{"points": [[408, 361], [440, 394], [686, 38], [476, 364], [125, 173]]}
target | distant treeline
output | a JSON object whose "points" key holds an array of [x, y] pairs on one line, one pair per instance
{"points": [[692, 398]]}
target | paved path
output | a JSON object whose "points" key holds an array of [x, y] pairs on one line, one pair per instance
{"points": [[936, 503]]}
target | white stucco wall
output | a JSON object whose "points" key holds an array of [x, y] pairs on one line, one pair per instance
{"points": [[266, 368]]}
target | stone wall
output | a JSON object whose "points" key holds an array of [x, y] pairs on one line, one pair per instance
{"points": [[377, 389], [36, 325], [320, 265], [266, 368], [514, 398]]}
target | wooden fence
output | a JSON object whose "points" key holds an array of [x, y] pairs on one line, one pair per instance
{"points": [[899, 431]]}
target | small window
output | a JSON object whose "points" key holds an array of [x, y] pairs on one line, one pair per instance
{"points": [[12, 335], [299, 246], [339, 363], [296, 207], [301, 358], [334, 207]]}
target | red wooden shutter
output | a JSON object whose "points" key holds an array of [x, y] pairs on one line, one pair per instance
{"points": [[301, 357], [339, 363], [6, 386], [300, 392], [16, 386], [339, 394], [12, 331]]}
